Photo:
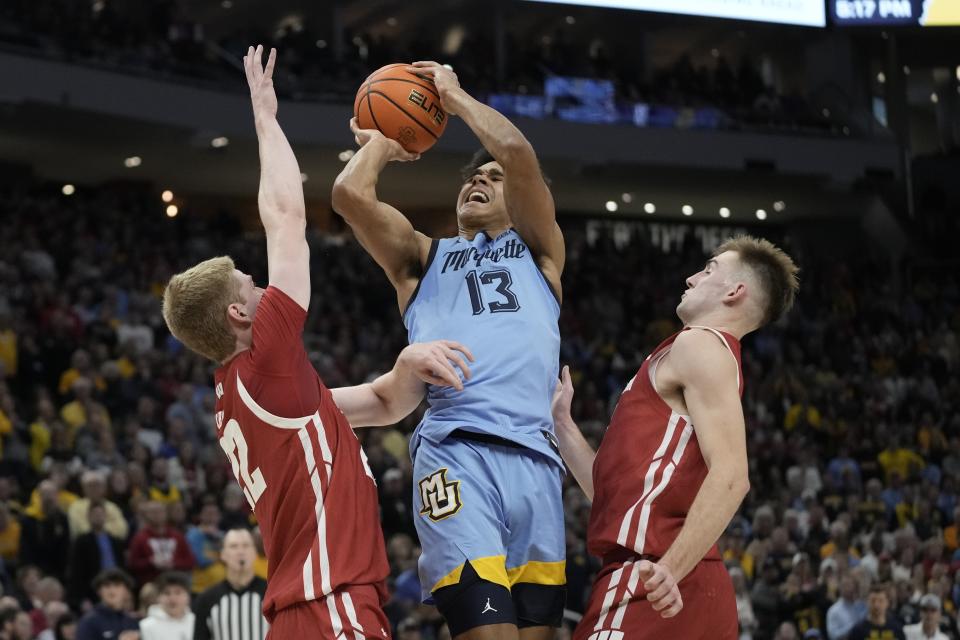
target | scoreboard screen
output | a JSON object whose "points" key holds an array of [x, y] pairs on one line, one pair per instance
{"points": [[811, 13], [927, 13]]}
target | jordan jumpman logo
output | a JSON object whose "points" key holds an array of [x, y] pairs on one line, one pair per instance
{"points": [[488, 608]]}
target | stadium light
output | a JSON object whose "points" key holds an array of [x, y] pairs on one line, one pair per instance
{"points": [[650, 207], [881, 77], [304, 177], [68, 189], [167, 195], [346, 155], [570, 20], [761, 214], [779, 205], [934, 98], [132, 161], [724, 212], [172, 211], [611, 206], [687, 210], [219, 142], [627, 198]]}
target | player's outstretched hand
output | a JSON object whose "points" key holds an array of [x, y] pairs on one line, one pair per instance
{"points": [[446, 81], [661, 588], [437, 362], [260, 79], [563, 397], [396, 152]]}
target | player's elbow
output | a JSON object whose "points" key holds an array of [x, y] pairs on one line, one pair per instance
{"points": [[516, 148], [740, 485], [347, 197]]}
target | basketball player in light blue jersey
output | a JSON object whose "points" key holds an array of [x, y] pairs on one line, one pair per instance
{"points": [[487, 473]]}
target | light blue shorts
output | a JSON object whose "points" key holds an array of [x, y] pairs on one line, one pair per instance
{"points": [[498, 507]]}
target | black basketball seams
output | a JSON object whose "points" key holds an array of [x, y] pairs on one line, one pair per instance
{"points": [[405, 112]]}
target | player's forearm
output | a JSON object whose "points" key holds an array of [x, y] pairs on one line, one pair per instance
{"points": [[716, 503], [576, 453], [385, 401], [357, 183], [505, 142], [281, 188]]}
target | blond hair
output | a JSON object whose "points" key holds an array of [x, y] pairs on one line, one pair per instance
{"points": [[195, 305], [774, 270]]}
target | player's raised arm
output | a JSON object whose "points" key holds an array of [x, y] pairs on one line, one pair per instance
{"points": [[709, 377], [574, 448], [394, 395], [529, 200], [280, 199], [383, 231]]}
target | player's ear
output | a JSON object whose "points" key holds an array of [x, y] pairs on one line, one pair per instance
{"points": [[237, 316], [736, 293]]}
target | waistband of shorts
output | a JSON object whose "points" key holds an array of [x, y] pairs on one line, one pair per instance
{"points": [[623, 555], [486, 438]]}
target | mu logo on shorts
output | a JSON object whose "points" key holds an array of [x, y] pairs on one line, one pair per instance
{"points": [[439, 498]]}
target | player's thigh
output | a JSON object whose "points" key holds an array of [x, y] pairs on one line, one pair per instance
{"points": [[352, 612], [460, 515], [618, 608], [536, 546], [537, 633]]}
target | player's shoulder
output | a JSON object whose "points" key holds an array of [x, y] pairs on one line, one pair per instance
{"points": [[702, 352]]}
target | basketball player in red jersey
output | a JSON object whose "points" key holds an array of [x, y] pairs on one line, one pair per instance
{"points": [[286, 435], [672, 468]]}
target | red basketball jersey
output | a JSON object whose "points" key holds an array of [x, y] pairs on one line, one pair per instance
{"points": [[299, 464], [648, 469]]}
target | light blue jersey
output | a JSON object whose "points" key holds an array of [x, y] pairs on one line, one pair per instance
{"points": [[490, 295]]}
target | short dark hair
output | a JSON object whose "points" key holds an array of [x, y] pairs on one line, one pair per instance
{"points": [[172, 579], [113, 576], [879, 587], [774, 269], [481, 157]]}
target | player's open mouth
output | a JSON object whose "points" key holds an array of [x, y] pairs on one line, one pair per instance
{"points": [[477, 196]]}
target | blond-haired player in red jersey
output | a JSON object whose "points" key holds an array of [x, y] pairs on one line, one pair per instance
{"points": [[671, 470], [289, 438]]}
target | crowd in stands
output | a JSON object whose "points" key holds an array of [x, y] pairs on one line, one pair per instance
{"points": [[107, 448], [158, 38]]}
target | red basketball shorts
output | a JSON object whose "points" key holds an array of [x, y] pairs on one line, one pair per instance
{"points": [[618, 608], [350, 613]]}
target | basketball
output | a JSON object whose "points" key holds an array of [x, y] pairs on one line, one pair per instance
{"points": [[402, 106]]}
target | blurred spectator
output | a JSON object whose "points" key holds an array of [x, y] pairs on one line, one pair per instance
{"points": [[157, 547], [929, 626], [45, 538], [878, 623], [94, 485], [110, 619], [206, 541], [92, 553], [847, 612], [172, 618]]}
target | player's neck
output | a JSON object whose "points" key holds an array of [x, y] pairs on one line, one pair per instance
{"points": [[240, 579], [493, 228], [721, 322], [242, 346]]}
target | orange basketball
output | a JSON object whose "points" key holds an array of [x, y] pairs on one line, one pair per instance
{"points": [[403, 106]]}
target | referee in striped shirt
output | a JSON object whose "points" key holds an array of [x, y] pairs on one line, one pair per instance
{"points": [[231, 610]]}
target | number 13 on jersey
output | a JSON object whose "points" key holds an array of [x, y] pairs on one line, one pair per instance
{"points": [[235, 446]]}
